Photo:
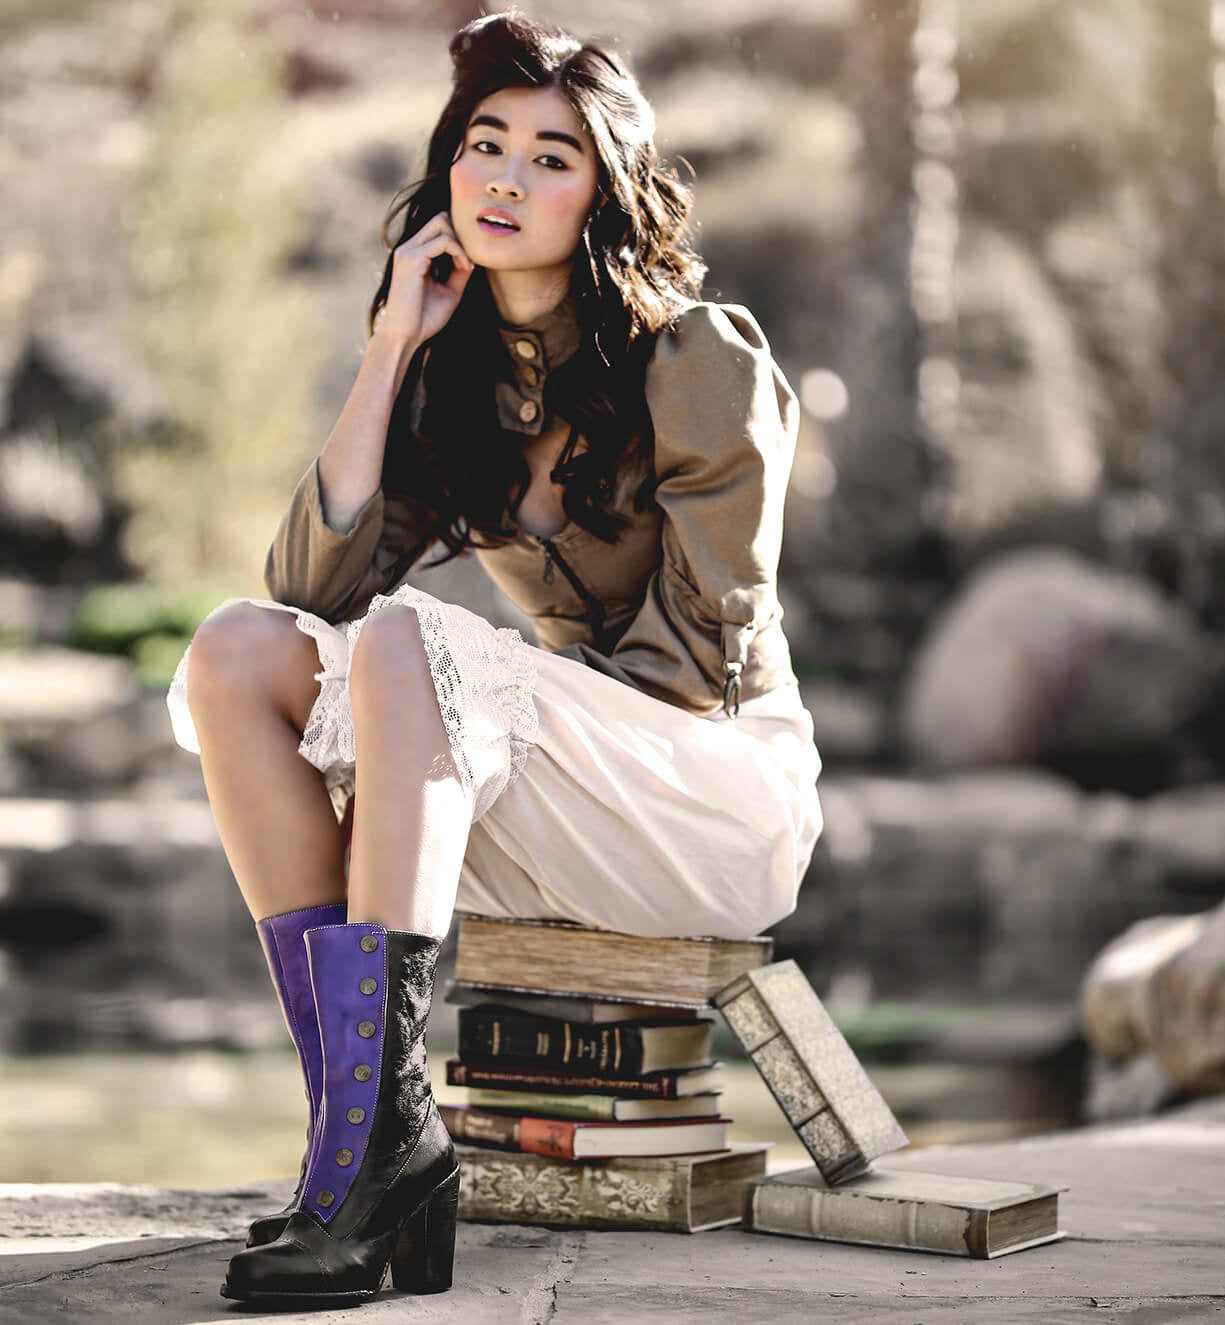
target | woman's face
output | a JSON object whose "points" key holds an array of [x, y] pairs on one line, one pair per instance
{"points": [[526, 156]]}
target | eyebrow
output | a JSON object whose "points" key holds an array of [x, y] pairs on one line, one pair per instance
{"points": [[545, 135]]}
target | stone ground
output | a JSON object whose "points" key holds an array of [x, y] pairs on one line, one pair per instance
{"points": [[1144, 1212]]}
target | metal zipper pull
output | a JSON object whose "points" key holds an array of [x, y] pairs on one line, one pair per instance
{"points": [[731, 688]]}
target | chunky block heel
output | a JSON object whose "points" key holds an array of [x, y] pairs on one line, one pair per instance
{"points": [[425, 1249]]}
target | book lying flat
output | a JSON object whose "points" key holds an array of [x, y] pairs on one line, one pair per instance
{"points": [[661, 1086], [594, 1108], [566, 1139], [561, 959], [589, 1010], [828, 1098], [488, 1032], [980, 1217], [682, 1194]]}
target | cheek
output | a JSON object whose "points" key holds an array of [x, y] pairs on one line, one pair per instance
{"points": [[570, 203], [463, 177]]}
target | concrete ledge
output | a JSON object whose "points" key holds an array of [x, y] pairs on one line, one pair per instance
{"points": [[1145, 1215]]}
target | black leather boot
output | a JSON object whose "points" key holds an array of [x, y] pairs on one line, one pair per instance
{"points": [[282, 939], [382, 1184]]}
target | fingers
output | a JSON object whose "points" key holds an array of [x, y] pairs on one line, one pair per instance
{"points": [[418, 253]]}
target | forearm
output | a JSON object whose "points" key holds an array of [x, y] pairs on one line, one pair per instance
{"points": [[351, 462]]}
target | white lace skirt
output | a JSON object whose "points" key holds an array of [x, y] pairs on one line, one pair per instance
{"points": [[591, 800]]}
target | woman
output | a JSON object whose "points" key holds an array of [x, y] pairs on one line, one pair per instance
{"points": [[541, 385]]}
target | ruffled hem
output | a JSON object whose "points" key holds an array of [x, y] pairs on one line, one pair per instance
{"points": [[484, 677]]}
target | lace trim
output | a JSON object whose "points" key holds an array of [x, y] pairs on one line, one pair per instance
{"points": [[484, 676]]}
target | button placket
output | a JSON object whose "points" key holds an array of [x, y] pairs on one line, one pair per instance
{"points": [[355, 1032]]}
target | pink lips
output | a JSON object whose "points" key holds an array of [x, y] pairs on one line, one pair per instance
{"points": [[492, 228]]}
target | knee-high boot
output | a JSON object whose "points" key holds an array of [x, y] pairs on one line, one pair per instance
{"points": [[382, 1184], [281, 937]]}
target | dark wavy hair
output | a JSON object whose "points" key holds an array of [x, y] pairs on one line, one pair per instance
{"points": [[634, 270]]}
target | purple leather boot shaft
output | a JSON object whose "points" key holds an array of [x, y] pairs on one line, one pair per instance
{"points": [[283, 940], [349, 973]]}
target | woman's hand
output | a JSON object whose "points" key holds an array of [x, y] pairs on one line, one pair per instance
{"points": [[418, 306]]}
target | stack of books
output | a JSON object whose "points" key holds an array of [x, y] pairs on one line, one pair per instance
{"points": [[593, 1095]]}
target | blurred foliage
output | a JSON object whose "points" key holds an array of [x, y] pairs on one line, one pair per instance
{"points": [[224, 332], [150, 623]]}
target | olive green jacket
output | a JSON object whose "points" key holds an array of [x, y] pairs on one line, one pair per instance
{"points": [[684, 606]]}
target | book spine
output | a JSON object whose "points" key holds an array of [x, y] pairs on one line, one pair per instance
{"points": [[873, 1221], [583, 1108], [523, 1038], [661, 1087], [491, 1129]]}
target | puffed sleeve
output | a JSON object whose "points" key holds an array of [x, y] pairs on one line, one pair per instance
{"points": [[335, 573], [725, 423]]}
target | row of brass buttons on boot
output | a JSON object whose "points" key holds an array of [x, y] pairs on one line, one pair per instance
{"points": [[362, 1072]]}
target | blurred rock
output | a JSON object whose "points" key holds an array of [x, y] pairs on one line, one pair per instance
{"points": [[1187, 1010], [1126, 1090], [1114, 999], [993, 884], [849, 722], [77, 720], [1044, 657]]}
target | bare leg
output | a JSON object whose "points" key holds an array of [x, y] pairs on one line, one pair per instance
{"points": [[410, 828], [250, 687]]}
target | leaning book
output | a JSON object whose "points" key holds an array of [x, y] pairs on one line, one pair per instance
{"points": [[681, 1193], [895, 1207]]}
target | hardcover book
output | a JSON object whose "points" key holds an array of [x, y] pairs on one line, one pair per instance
{"points": [[661, 1086], [828, 1098], [979, 1217], [589, 1010], [567, 1139], [594, 1108], [558, 958], [683, 1194], [488, 1032]]}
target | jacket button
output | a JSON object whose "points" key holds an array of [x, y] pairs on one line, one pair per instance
{"points": [[344, 1158], [369, 943], [526, 349], [356, 1116], [528, 410], [368, 986], [325, 1199], [362, 1072], [366, 1029]]}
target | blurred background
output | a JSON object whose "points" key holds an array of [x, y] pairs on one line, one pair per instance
{"points": [[985, 240]]}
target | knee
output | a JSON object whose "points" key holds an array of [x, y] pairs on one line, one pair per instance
{"points": [[234, 650], [389, 658]]}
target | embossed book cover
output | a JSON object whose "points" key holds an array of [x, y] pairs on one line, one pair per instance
{"points": [[680, 1193], [804, 1058]]}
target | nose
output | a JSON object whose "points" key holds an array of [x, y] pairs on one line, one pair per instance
{"points": [[504, 186]]}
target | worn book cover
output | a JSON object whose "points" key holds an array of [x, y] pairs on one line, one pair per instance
{"points": [[660, 1086], [565, 960], [804, 1058], [683, 1194], [979, 1217], [488, 1032]]}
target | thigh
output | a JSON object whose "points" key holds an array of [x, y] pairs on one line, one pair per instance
{"points": [[633, 815]]}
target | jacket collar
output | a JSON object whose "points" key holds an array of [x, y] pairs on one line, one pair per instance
{"points": [[535, 349]]}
